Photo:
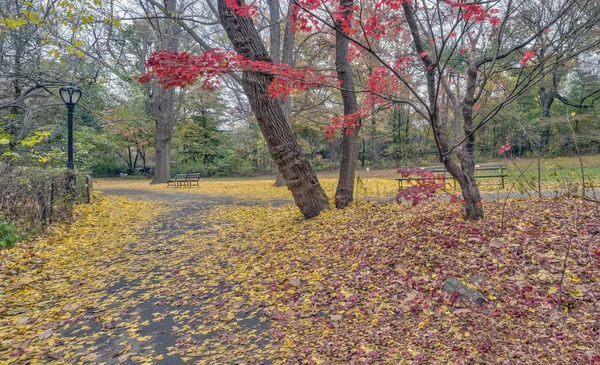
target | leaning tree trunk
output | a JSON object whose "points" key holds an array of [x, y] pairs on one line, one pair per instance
{"points": [[463, 140], [287, 57], [345, 188], [301, 179]]}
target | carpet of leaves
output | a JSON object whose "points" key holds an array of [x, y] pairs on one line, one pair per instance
{"points": [[54, 281], [252, 284], [362, 285]]}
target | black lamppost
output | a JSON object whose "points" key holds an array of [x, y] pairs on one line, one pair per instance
{"points": [[70, 95]]}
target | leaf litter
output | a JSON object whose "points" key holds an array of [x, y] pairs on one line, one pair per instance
{"points": [[253, 284]]}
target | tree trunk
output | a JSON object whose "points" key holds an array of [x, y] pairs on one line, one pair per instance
{"points": [[470, 191], [345, 188], [546, 99], [301, 179], [287, 57], [456, 112], [374, 147], [465, 173], [161, 102], [162, 170]]}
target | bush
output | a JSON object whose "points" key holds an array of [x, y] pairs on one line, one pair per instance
{"points": [[106, 166], [8, 238], [231, 164], [227, 164], [31, 198]]}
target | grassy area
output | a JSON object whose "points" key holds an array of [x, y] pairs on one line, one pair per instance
{"points": [[561, 173], [256, 189]]}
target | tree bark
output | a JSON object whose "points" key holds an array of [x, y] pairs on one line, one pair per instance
{"points": [[301, 179], [374, 147], [162, 170], [546, 100], [470, 191], [161, 102], [287, 57], [345, 189]]}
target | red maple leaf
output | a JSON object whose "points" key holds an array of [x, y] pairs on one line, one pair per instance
{"points": [[528, 55]]}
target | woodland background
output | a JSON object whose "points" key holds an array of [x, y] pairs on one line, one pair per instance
{"points": [[102, 47]]}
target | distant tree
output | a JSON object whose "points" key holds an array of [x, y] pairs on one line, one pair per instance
{"points": [[200, 138]]}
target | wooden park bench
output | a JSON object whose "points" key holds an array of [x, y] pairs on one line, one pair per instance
{"points": [[481, 172], [181, 180], [177, 181], [193, 178]]}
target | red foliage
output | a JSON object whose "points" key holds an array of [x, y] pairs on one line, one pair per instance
{"points": [[426, 184], [244, 10], [343, 15], [379, 20], [301, 20], [528, 55], [348, 123], [505, 148], [173, 69]]}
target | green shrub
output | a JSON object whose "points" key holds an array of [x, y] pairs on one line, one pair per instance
{"points": [[231, 164], [227, 164], [8, 238], [107, 166]]}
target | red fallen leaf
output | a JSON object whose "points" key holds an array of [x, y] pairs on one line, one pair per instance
{"points": [[17, 353]]}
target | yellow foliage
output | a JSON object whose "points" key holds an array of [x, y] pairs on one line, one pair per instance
{"points": [[59, 274]]}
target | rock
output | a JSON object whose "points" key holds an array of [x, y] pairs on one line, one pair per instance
{"points": [[295, 282], [477, 280], [451, 285]]}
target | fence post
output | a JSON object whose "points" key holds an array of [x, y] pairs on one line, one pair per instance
{"points": [[71, 193], [51, 210], [88, 189], [41, 196]]}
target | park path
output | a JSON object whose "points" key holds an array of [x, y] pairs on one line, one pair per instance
{"points": [[163, 306]]}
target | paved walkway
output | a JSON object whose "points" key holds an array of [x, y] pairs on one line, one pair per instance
{"points": [[162, 308]]}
